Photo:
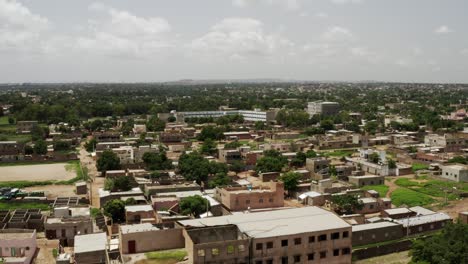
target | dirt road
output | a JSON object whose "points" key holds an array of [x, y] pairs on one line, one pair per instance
{"points": [[96, 181]]}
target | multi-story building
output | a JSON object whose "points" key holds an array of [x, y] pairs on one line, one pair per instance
{"points": [[366, 180], [18, 245], [455, 172], [229, 155], [242, 198], [323, 108], [300, 235], [248, 115], [25, 126], [318, 168], [10, 151]]}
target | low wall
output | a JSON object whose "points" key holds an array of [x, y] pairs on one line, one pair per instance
{"points": [[364, 253]]}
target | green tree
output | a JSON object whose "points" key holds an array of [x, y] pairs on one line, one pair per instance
{"points": [[108, 161], [346, 204], [211, 132], [90, 145], [40, 147], [299, 160], [109, 184], [171, 119], [28, 150], [115, 209], [392, 164], [157, 161], [374, 157], [155, 124], [371, 127], [122, 184], [61, 146], [327, 124], [11, 120], [447, 247], [311, 153], [220, 179], [291, 181], [232, 145], [208, 147], [194, 167], [194, 205], [237, 166], [458, 159], [272, 161]]}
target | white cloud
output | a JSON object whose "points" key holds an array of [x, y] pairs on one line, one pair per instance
{"points": [[337, 34], [321, 15], [443, 30], [341, 2], [238, 38], [20, 29], [122, 34], [464, 52], [288, 4]]}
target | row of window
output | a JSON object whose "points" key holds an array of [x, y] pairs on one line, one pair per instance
{"points": [[298, 240], [270, 244], [310, 257], [259, 200]]}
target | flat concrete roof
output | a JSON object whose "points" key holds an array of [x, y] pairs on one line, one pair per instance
{"points": [[138, 208], [421, 210], [397, 211], [128, 229], [276, 223], [423, 219], [90, 243]]}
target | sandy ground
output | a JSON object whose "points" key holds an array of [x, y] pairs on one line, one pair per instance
{"points": [[395, 258], [96, 181], [45, 248], [42, 172], [54, 191]]}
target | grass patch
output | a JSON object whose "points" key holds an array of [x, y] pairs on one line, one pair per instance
{"points": [[403, 196], [15, 137], [178, 254], [25, 184], [419, 166], [436, 188], [24, 205], [405, 182], [338, 153], [4, 120], [381, 189]]}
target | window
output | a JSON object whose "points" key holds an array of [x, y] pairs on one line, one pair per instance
{"points": [[297, 258], [345, 251], [312, 239], [247, 201], [323, 254], [297, 241], [201, 252], [259, 246], [269, 261], [335, 236], [241, 248], [386, 234], [270, 200], [260, 200], [284, 260], [371, 206], [258, 262], [215, 251], [284, 243], [432, 226], [310, 256], [269, 244], [322, 237], [420, 229], [230, 249], [345, 234], [336, 252], [373, 236]]}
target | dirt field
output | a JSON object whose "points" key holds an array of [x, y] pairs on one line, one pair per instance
{"points": [[43, 172], [54, 191]]}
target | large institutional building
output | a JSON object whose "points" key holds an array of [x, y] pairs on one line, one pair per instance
{"points": [[323, 108]]}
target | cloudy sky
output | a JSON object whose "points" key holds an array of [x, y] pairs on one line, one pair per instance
{"points": [[156, 40]]}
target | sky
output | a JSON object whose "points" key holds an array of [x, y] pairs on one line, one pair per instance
{"points": [[156, 40]]}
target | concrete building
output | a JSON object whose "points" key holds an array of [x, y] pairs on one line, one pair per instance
{"points": [[229, 155], [455, 172], [281, 236], [66, 223], [398, 213], [91, 249], [424, 223], [249, 115], [17, 245], [366, 180], [376, 232], [11, 151], [323, 108], [242, 198], [25, 126], [318, 168], [138, 214], [147, 237]]}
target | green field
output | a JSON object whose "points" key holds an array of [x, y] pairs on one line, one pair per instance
{"points": [[381, 189], [164, 257], [435, 188], [337, 153], [4, 120], [419, 166], [403, 196], [29, 205]]}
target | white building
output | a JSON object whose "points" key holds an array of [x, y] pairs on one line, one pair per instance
{"points": [[323, 108], [455, 172]]}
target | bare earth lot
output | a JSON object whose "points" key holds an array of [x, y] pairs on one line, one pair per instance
{"points": [[42, 172]]}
